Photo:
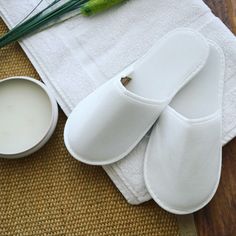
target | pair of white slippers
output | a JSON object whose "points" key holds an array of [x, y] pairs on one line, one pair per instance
{"points": [[177, 87]]}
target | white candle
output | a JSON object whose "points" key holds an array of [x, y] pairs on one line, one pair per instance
{"points": [[26, 115]]}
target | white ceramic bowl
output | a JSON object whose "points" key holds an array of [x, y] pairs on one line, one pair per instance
{"points": [[28, 116]]}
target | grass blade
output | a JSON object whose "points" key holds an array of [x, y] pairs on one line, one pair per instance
{"points": [[39, 20]]}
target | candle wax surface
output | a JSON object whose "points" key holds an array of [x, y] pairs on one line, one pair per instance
{"points": [[25, 115]]}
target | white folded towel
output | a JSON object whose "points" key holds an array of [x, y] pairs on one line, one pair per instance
{"points": [[74, 58]]}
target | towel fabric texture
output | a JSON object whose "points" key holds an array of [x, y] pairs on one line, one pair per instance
{"points": [[76, 57]]}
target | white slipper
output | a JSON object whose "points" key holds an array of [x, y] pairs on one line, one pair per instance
{"points": [[183, 159], [110, 122]]}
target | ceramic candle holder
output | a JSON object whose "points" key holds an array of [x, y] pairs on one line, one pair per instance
{"points": [[28, 116]]}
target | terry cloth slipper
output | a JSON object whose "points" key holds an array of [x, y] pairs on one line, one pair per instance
{"points": [[183, 159], [110, 122]]}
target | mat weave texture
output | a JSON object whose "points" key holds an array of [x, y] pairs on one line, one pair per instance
{"points": [[50, 193]]}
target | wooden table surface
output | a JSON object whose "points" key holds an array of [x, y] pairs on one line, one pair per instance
{"points": [[219, 217]]}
